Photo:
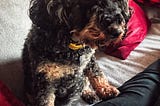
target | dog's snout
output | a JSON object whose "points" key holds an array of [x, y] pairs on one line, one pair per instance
{"points": [[115, 33]]}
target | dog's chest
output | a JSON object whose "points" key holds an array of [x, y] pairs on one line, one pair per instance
{"points": [[85, 59], [74, 83], [66, 79]]}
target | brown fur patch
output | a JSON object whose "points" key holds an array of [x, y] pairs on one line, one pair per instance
{"points": [[90, 32], [55, 70]]}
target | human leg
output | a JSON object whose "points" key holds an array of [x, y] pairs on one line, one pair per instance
{"points": [[141, 90]]}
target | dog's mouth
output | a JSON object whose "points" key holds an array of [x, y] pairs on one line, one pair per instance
{"points": [[100, 43], [94, 37], [95, 40]]}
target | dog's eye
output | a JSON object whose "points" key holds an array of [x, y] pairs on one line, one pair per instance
{"points": [[119, 21], [119, 18]]}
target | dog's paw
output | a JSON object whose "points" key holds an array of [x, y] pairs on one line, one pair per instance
{"points": [[107, 92], [89, 96], [103, 89]]}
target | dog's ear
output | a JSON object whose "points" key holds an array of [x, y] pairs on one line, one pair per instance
{"points": [[124, 5], [38, 13], [57, 9], [48, 13]]}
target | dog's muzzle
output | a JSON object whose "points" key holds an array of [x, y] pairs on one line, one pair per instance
{"points": [[93, 36]]}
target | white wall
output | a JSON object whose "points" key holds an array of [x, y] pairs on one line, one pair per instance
{"points": [[14, 26]]}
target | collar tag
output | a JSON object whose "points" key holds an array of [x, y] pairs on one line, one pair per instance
{"points": [[74, 46]]}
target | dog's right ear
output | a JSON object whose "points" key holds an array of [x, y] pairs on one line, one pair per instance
{"points": [[39, 15], [49, 13]]}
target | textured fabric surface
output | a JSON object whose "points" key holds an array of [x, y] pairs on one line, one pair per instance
{"points": [[118, 71], [150, 2], [141, 90], [137, 30]]}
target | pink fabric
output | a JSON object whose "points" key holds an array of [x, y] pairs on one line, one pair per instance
{"points": [[7, 98], [150, 2], [137, 29]]}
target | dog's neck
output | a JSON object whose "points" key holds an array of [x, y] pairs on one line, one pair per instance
{"points": [[64, 48]]}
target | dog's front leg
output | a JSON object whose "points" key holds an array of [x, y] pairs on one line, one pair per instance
{"points": [[89, 95], [45, 97], [43, 85], [103, 89], [99, 82]]}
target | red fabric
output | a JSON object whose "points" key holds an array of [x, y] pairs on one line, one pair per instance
{"points": [[7, 98], [137, 29], [150, 2]]}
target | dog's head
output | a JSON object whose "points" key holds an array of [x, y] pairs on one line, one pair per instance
{"points": [[93, 22]]}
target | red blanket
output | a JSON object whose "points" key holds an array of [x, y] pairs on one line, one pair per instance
{"points": [[149, 2], [7, 98], [137, 29]]}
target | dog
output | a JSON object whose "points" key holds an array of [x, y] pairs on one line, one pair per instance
{"points": [[58, 54]]}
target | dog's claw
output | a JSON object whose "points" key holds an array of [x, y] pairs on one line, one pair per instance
{"points": [[89, 97], [107, 92]]}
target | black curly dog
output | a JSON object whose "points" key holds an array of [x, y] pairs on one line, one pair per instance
{"points": [[58, 54]]}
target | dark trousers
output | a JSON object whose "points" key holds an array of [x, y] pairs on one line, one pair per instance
{"points": [[141, 90]]}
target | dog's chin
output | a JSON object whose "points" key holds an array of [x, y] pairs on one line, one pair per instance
{"points": [[92, 45], [95, 44], [107, 43]]}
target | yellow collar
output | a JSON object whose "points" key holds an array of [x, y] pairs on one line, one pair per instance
{"points": [[74, 46]]}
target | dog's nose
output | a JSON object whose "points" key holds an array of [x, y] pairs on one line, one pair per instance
{"points": [[115, 33]]}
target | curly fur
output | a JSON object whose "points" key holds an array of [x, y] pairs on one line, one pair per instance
{"points": [[55, 72]]}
